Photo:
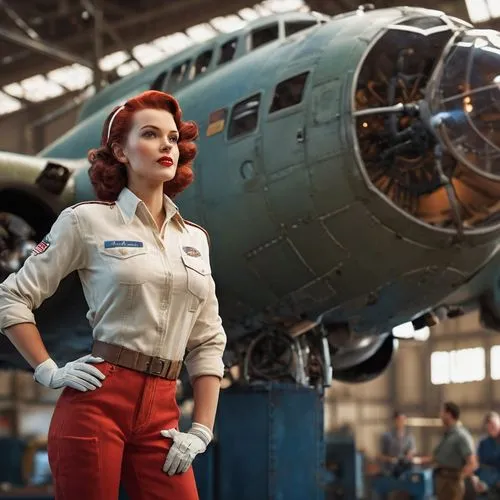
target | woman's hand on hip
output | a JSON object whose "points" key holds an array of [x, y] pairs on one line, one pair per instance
{"points": [[185, 447], [78, 374]]}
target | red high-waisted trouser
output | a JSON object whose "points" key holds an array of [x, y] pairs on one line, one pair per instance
{"points": [[97, 438]]}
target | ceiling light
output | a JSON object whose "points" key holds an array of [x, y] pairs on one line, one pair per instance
{"points": [[227, 24], [201, 32], [148, 54], [74, 77], [111, 61], [8, 104]]}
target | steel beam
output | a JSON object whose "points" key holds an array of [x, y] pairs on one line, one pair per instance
{"points": [[19, 21], [180, 15], [98, 42], [170, 18], [43, 48], [109, 28]]}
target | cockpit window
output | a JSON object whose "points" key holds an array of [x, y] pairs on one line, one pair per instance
{"points": [[264, 35], [244, 117], [424, 22], [179, 72], [289, 92], [227, 51], [292, 27], [201, 64]]}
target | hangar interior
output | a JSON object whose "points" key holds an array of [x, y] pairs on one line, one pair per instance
{"points": [[48, 52]]}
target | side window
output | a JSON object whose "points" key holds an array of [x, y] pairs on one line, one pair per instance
{"points": [[179, 72], [201, 64], [227, 51], [160, 80], [292, 27], [244, 117], [264, 35], [289, 92]]}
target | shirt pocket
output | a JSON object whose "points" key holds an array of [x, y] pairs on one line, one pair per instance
{"points": [[198, 280], [128, 265]]}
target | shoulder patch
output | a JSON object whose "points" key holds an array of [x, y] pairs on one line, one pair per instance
{"points": [[93, 203], [42, 246], [199, 227]]}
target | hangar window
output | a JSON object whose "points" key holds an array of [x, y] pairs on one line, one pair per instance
{"points": [[244, 117], [227, 51], [463, 365], [294, 26], [289, 92], [201, 64], [264, 35], [495, 362], [179, 72], [440, 367]]}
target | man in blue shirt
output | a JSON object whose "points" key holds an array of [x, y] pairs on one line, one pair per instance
{"points": [[397, 448], [488, 454], [397, 444]]}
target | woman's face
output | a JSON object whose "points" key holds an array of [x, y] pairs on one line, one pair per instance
{"points": [[152, 150]]}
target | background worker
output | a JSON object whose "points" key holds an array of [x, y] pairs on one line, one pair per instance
{"points": [[397, 449], [396, 444], [488, 455], [454, 457]]}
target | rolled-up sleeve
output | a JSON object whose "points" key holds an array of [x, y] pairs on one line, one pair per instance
{"points": [[207, 341], [61, 252]]}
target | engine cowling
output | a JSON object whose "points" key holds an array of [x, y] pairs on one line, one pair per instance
{"points": [[370, 368]]}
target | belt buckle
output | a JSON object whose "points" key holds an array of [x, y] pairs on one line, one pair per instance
{"points": [[151, 368]]}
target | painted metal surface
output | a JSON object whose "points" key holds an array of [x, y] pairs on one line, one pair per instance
{"points": [[269, 446]]}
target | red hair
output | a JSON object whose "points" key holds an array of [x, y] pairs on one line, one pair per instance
{"points": [[109, 176]]}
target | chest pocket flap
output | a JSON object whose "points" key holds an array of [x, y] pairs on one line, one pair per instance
{"points": [[127, 263], [196, 264], [198, 276], [123, 252]]}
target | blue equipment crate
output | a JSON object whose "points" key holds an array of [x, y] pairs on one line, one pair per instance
{"points": [[269, 445]]}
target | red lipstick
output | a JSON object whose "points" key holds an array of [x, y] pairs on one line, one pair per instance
{"points": [[166, 161]]}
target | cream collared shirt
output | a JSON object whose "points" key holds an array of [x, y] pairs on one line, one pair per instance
{"points": [[151, 291]]}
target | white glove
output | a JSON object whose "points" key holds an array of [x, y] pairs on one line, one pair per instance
{"points": [[185, 447], [78, 374]]}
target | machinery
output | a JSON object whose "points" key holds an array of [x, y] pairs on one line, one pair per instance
{"points": [[417, 483], [255, 456], [345, 465]]}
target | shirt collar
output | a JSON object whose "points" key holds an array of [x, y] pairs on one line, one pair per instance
{"points": [[128, 202]]}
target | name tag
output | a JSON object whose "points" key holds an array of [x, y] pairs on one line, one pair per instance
{"points": [[122, 244]]}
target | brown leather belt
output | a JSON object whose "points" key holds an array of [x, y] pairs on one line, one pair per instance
{"points": [[122, 356]]}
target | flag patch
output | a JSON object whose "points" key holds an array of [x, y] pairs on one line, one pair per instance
{"points": [[42, 246]]}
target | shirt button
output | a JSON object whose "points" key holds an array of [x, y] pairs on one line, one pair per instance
{"points": [[123, 251]]}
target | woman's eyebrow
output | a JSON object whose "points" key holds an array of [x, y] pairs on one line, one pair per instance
{"points": [[158, 128]]}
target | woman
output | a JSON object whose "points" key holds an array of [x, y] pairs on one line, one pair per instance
{"points": [[145, 272]]}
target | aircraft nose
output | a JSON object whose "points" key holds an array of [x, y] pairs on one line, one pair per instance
{"points": [[449, 183]]}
